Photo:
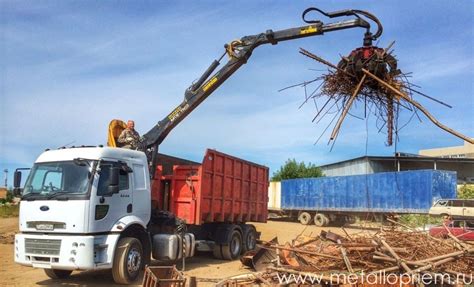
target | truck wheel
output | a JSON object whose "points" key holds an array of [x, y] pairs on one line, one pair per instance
{"points": [[304, 218], [250, 238], [128, 260], [57, 274], [231, 250], [321, 220]]}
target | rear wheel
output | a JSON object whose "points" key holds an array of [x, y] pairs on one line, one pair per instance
{"points": [[57, 274], [321, 220], [128, 260], [231, 250], [304, 218]]}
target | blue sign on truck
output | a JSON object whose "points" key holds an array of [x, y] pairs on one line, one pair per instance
{"points": [[387, 192]]}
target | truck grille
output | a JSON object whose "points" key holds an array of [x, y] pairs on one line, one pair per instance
{"points": [[42, 246]]}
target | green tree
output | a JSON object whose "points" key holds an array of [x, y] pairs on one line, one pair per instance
{"points": [[294, 169], [466, 192]]}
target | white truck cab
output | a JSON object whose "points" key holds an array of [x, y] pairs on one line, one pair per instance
{"points": [[456, 208], [77, 207]]}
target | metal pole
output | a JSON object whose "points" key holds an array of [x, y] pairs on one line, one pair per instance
{"points": [[6, 177]]}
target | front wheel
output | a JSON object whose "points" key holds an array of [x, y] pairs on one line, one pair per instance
{"points": [[57, 274], [128, 260]]}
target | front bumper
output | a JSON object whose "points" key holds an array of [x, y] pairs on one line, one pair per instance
{"points": [[65, 252]]}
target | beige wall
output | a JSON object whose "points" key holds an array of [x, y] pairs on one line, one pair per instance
{"points": [[464, 151], [274, 195]]}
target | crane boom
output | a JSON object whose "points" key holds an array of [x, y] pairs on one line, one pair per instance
{"points": [[239, 51]]}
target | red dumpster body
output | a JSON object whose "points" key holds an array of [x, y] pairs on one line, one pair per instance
{"points": [[222, 188]]}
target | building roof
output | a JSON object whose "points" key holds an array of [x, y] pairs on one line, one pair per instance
{"points": [[405, 157]]}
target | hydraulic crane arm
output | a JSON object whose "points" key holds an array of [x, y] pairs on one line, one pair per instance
{"points": [[239, 52]]}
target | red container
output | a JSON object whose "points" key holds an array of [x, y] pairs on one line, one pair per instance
{"points": [[221, 189]]}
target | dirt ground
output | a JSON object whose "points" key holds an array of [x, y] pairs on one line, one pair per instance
{"points": [[203, 266]]}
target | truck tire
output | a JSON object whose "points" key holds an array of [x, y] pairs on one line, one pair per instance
{"points": [[304, 218], [249, 238], [321, 220], [231, 250], [57, 274], [128, 260]]}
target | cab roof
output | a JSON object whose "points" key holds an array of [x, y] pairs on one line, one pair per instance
{"points": [[92, 153]]}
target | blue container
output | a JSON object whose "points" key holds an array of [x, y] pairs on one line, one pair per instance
{"points": [[398, 192]]}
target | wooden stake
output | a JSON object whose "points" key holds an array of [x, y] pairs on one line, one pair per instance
{"points": [[419, 107], [395, 255], [335, 131]]}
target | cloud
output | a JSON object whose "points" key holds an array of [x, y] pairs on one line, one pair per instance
{"points": [[439, 61]]}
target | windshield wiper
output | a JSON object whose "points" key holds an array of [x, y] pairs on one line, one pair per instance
{"points": [[28, 195], [57, 194]]}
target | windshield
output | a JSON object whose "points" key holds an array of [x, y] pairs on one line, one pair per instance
{"points": [[64, 177]]}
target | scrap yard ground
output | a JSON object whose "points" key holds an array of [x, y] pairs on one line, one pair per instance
{"points": [[204, 266]]}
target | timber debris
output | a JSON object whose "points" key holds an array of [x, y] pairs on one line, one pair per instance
{"points": [[391, 250], [368, 76]]}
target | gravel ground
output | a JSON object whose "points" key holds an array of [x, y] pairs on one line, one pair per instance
{"points": [[203, 266]]}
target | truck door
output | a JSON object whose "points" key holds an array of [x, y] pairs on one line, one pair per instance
{"points": [[107, 209]]}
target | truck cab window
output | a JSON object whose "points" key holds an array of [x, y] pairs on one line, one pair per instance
{"points": [[105, 174], [442, 203], [53, 180], [469, 203], [65, 177], [457, 203]]}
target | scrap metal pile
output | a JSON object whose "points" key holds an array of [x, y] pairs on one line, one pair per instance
{"points": [[368, 75], [388, 251]]}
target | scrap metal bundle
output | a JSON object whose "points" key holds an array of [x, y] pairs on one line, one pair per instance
{"points": [[368, 75], [388, 251]]}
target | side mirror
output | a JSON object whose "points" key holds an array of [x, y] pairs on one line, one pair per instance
{"points": [[17, 191], [114, 180], [17, 179]]}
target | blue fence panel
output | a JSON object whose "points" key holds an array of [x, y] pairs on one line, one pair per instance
{"points": [[401, 192]]}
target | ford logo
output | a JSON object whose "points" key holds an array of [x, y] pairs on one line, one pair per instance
{"points": [[44, 208]]}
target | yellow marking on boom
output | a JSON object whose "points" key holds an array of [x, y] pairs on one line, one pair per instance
{"points": [[308, 30], [209, 84]]}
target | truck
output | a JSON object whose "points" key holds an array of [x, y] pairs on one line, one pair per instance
{"points": [[96, 207], [454, 208], [341, 199]]}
